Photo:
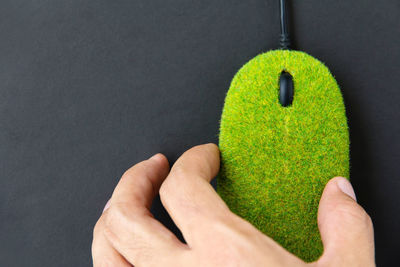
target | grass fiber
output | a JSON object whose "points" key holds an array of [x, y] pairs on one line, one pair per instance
{"points": [[275, 161]]}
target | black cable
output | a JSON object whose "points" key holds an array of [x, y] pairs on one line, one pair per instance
{"points": [[284, 38]]}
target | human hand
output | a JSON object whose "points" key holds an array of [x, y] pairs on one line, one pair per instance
{"points": [[127, 234]]}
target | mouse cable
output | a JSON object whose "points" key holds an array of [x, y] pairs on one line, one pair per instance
{"points": [[284, 38]]}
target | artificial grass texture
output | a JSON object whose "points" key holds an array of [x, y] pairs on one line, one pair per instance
{"points": [[276, 160]]}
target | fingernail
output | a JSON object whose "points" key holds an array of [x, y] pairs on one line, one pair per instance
{"points": [[345, 186], [106, 206]]}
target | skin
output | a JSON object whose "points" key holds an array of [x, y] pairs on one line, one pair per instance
{"points": [[127, 234]]}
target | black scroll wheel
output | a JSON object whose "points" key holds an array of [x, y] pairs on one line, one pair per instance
{"points": [[286, 89]]}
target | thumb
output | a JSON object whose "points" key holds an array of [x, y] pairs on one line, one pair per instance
{"points": [[346, 229]]}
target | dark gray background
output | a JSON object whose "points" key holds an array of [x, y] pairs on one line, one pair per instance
{"points": [[87, 88]]}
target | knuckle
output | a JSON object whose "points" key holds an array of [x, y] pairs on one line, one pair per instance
{"points": [[121, 215], [173, 181], [115, 213], [97, 228], [167, 192], [352, 213], [180, 172], [163, 190]]}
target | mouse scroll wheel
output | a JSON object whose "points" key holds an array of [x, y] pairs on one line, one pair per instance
{"points": [[286, 89]]}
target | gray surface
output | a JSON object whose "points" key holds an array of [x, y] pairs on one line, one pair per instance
{"points": [[87, 88]]}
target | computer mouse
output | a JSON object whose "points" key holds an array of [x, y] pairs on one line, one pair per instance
{"points": [[277, 157]]}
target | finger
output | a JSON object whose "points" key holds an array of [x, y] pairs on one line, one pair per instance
{"points": [[187, 194], [129, 225], [346, 229], [103, 254], [139, 185]]}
